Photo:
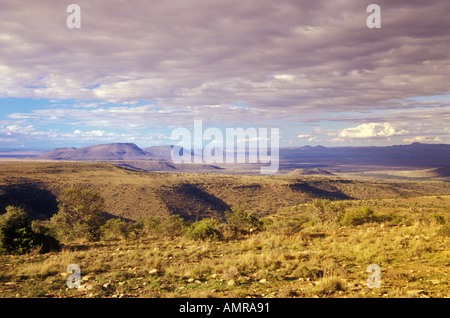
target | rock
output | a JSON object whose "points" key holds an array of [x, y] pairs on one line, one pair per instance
{"points": [[231, 282], [86, 287], [86, 278], [107, 285], [153, 271], [190, 280], [263, 281], [434, 281], [414, 292]]}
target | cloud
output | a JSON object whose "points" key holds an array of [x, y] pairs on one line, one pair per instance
{"points": [[203, 53], [287, 61], [422, 139], [370, 130], [308, 137]]}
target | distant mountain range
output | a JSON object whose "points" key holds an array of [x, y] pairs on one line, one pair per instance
{"points": [[414, 155], [115, 151]]}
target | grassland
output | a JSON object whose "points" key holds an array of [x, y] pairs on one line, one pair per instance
{"points": [[316, 260]]}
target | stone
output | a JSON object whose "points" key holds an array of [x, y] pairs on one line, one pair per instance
{"points": [[414, 292], [434, 281], [86, 278]]}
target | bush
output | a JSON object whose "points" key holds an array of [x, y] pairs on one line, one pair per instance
{"points": [[173, 226], [205, 229], [286, 226], [361, 216], [115, 229], [444, 230], [329, 285], [170, 226], [241, 221], [325, 211], [16, 235], [439, 218], [45, 237], [394, 219], [79, 214]]}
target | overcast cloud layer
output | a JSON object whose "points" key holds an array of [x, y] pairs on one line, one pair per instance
{"points": [[311, 68]]}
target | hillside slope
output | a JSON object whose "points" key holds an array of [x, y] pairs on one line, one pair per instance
{"points": [[133, 194]]}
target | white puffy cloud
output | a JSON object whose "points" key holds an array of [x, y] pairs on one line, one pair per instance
{"points": [[309, 137], [14, 130], [370, 130], [422, 139]]}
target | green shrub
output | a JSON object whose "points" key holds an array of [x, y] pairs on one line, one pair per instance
{"points": [[147, 225], [242, 221], [45, 237], [115, 229], [80, 214], [171, 226], [394, 219], [16, 235], [439, 218], [325, 211], [205, 229], [361, 216], [286, 226]]}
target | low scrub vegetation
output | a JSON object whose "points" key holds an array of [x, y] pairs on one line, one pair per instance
{"points": [[325, 211], [18, 235], [318, 249], [206, 229], [79, 214], [360, 216]]}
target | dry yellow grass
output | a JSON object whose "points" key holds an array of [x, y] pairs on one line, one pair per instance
{"points": [[413, 259]]}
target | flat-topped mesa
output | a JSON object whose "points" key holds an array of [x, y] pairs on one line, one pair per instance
{"points": [[112, 151]]}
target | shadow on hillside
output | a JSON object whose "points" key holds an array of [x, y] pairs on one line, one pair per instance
{"points": [[191, 203], [40, 204], [332, 194], [109, 216]]}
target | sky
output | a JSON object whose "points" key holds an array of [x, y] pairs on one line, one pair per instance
{"points": [[136, 70]]}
